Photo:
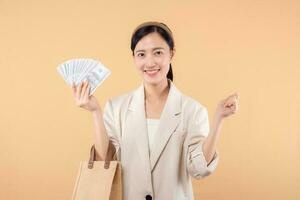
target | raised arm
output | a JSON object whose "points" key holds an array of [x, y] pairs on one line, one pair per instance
{"points": [[101, 140], [90, 103], [225, 108]]}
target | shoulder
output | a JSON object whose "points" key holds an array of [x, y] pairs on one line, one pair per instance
{"points": [[188, 103], [120, 99], [116, 103], [191, 105]]}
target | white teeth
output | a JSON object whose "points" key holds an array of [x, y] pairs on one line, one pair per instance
{"points": [[151, 70]]}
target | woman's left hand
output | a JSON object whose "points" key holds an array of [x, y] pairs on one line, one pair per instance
{"points": [[227, 106]]}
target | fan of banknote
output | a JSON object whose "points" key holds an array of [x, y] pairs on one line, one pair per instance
{"points": [[81, 69]]}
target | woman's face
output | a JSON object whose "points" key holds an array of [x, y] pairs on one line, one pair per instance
{"points": [[152, 57]]}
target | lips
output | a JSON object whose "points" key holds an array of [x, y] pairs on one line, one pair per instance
{"points": [[151, 72]]}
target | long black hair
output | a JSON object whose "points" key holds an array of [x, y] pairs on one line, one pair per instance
{"points": [[162, 30]]}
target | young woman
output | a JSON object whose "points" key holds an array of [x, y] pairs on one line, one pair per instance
{"points": [[161, 136]]}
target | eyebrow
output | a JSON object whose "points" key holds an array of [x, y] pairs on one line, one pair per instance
{"points": [[152, 49]]}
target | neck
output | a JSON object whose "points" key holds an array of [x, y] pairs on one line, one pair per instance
{"points": [[157, 92]]}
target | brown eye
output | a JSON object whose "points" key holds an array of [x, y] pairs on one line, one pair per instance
{"points": [[158, 52], [140, 54]]}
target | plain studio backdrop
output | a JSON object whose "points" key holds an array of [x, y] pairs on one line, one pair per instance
{"points": [[250, 47]]}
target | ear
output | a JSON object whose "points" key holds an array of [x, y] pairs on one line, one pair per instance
{"points": [[172, 53]]}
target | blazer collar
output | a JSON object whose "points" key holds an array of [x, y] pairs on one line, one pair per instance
{"points": [[169, 120], [174, 97]]}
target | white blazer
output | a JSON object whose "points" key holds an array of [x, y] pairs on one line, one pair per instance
{"points": [[165, 173]]}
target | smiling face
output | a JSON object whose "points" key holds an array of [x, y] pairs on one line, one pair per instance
{"points": [[152, 57]]}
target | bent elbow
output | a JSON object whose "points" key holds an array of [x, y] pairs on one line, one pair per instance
{"points": [[198, 168]]}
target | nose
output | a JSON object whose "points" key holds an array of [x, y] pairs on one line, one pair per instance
{"points": [[150, 62]]}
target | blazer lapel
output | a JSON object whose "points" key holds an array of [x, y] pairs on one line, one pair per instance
{"points": [[169, 120], [138, 126]]}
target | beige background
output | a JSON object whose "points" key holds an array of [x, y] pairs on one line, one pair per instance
{"points": [[251, 47]]}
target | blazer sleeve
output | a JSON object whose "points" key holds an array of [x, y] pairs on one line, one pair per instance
{"points": [[198, 130], [111, 127]]}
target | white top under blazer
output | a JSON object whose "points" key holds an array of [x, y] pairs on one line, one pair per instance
{"points": [[152, 125]]}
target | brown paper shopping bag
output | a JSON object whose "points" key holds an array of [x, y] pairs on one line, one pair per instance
{"points": [[99, 180]]}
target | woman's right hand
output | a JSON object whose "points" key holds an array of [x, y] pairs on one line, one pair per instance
{"points": [[82, 98]]}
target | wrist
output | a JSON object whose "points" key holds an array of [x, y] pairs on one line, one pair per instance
{"points": [[97, 111], [218, 119]]}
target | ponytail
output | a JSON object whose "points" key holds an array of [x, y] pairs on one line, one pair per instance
{"points": [[170, 73]]}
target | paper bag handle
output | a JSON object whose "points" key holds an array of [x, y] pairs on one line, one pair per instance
{"points": [[110, 152]]}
